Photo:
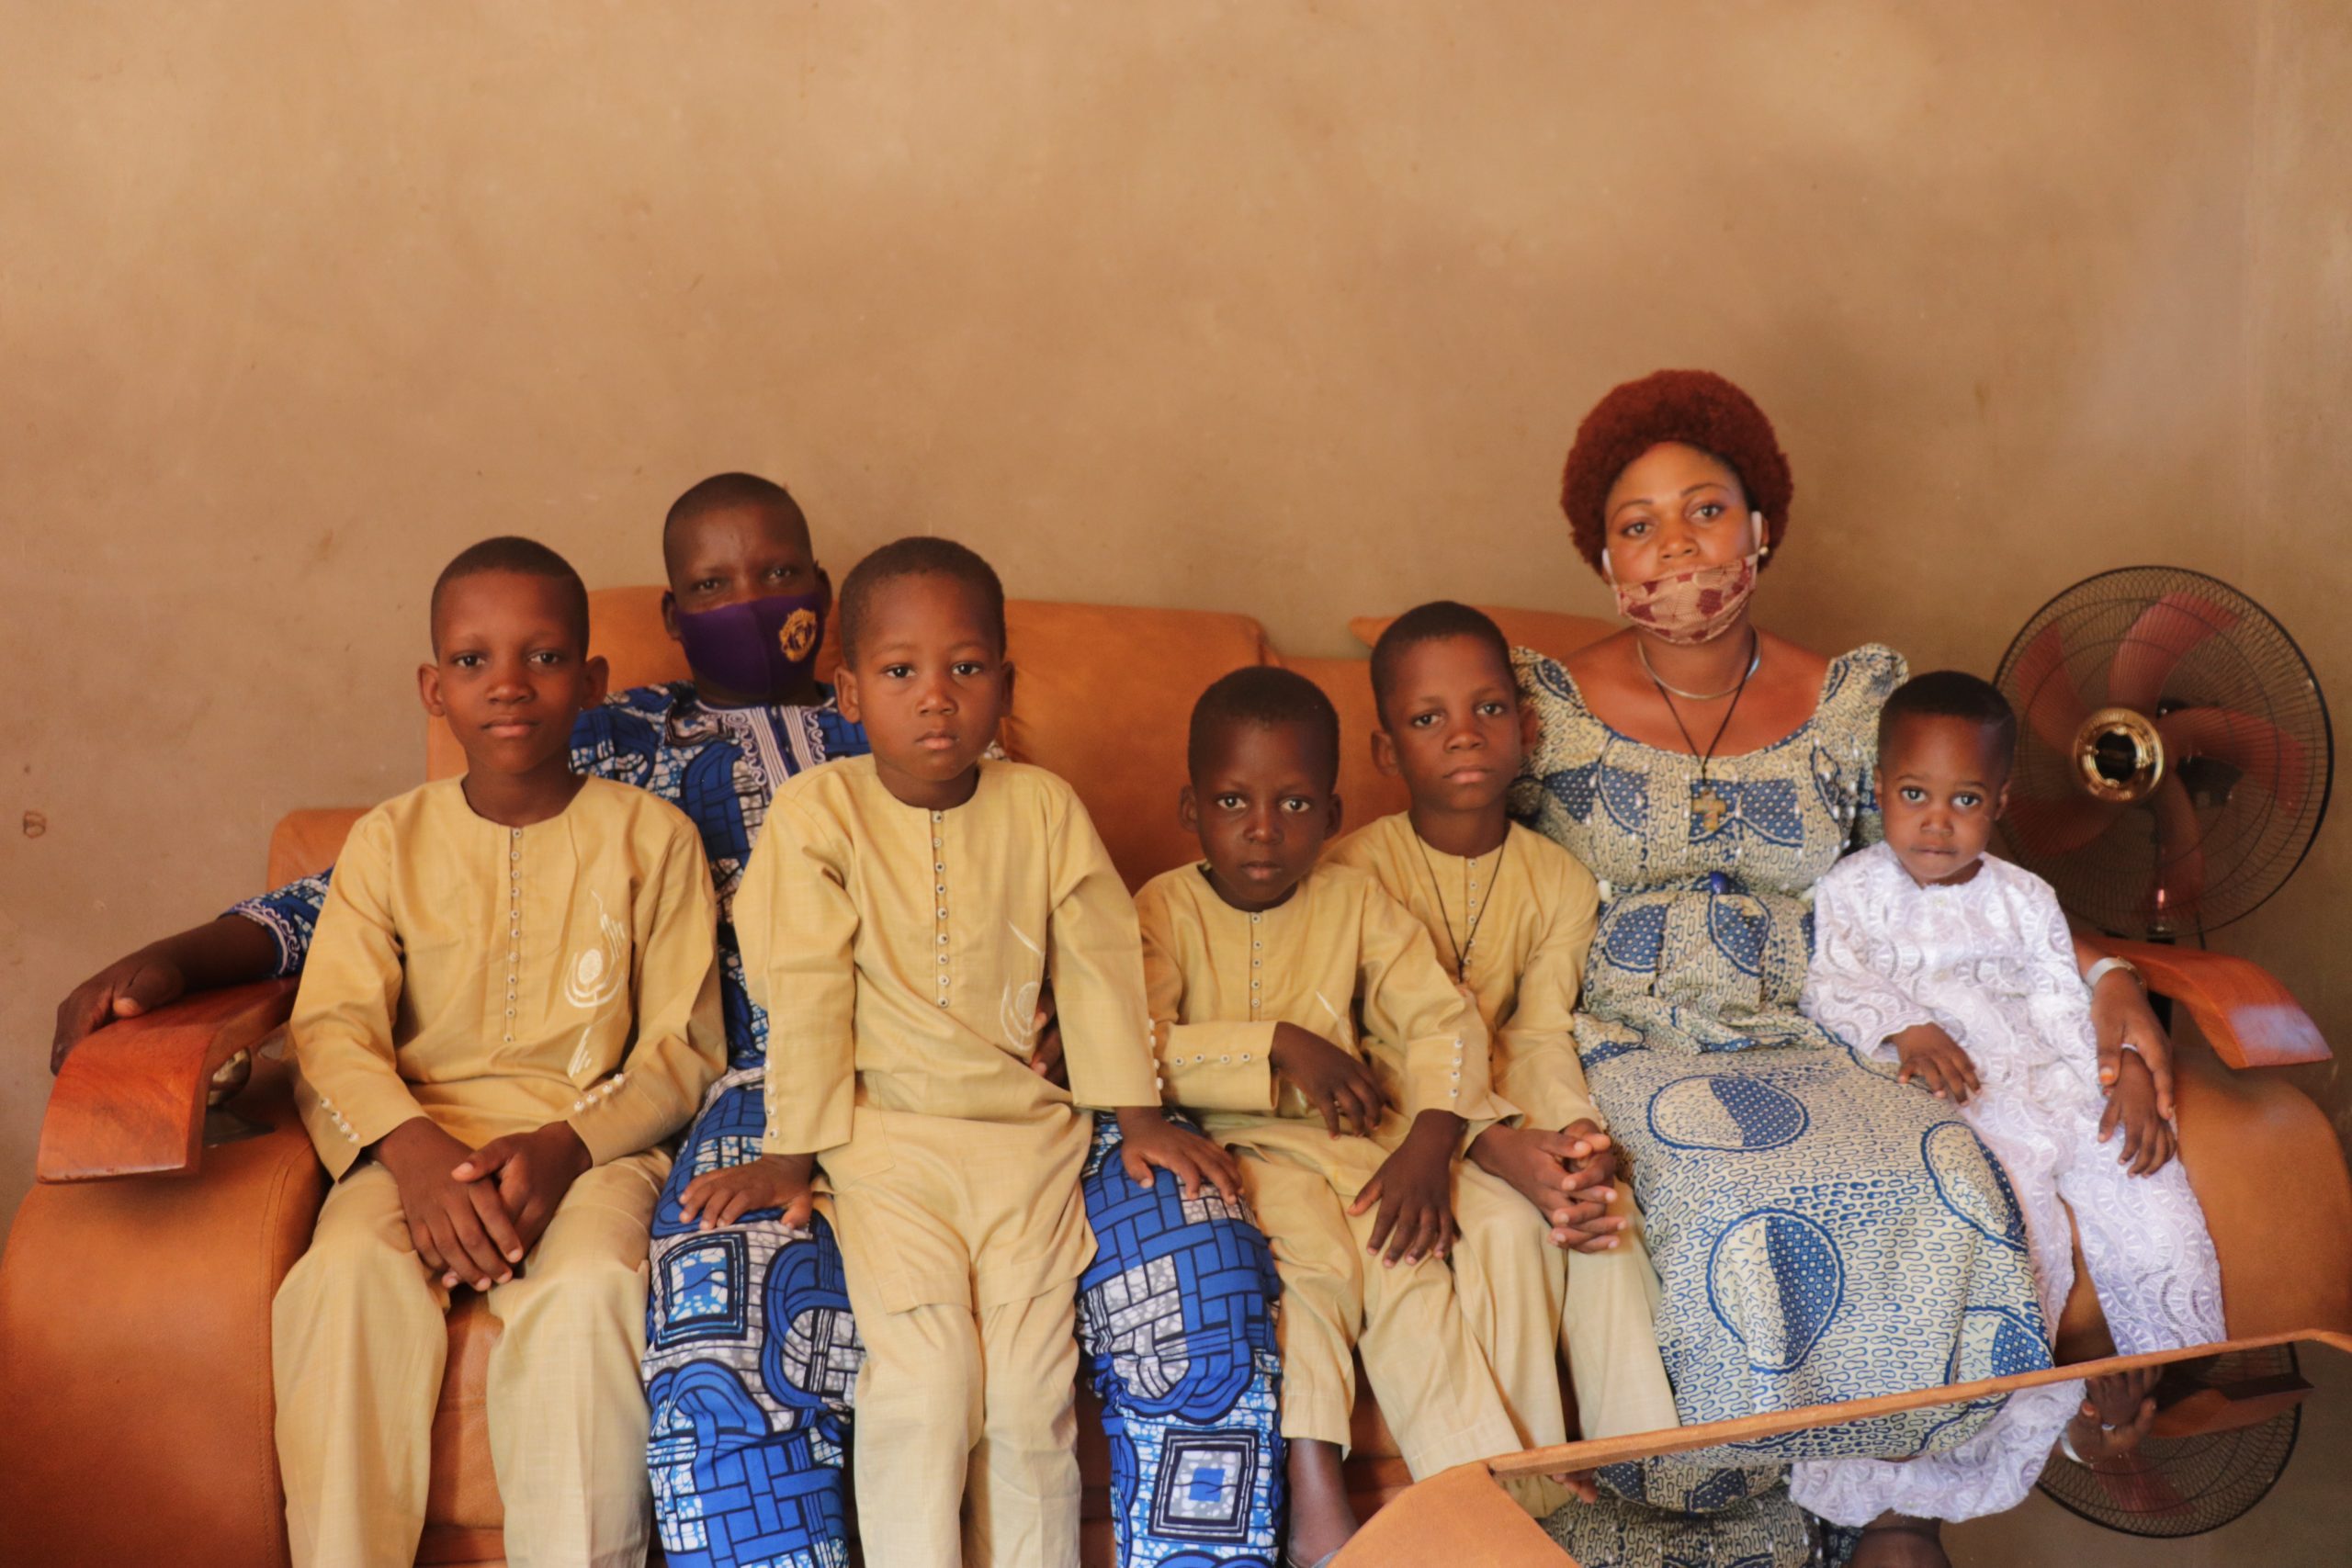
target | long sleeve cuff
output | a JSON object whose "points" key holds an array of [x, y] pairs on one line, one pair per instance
{"points": [[806, 1118], [627, 1114], [1455, 1081], [363, 1108], [1218, 1066], [1548, 1086]]}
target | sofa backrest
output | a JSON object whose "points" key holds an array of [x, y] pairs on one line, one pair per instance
{"points": [[1102, 696]]}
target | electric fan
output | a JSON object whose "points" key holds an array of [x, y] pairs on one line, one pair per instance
{"points": [[2174, 755], [2173, 761], [2224, 1433]]}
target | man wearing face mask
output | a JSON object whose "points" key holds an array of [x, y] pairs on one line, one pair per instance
{"points": [[751, 1353]]}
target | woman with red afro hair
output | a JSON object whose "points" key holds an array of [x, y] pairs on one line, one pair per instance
{"points": [[1821, 1232]]}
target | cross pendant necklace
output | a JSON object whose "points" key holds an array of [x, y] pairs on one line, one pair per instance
{"points": [[1709, 804]]}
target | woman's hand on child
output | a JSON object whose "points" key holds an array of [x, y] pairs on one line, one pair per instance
{"points": [[2149, 1139], [530, 1172], [1936, 1060], [2119, 1012], [772, 1182], [1338, 1083], [1147, 1139], [461, 1230], [1413, 1188]]}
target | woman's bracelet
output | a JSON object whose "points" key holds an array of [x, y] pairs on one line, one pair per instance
{"points": [[2109, 965]]}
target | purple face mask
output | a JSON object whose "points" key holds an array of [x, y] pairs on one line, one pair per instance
{"points": [[762, 648]]}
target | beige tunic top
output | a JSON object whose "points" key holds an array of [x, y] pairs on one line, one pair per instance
{"points": [[1338, 957], [1532, 905], [900, 953], [496, 978]]}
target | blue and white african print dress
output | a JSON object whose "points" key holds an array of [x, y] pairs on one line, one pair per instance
{"points": [[1822, 1232]]}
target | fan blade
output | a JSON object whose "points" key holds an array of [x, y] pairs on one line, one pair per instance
{"points": [[2054, 828], [2142, 1487], [2157, 641], [2256, 747], [2180, 858], [2054, 710]]}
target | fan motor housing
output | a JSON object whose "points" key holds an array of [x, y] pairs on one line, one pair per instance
{"points": [[2119, 755]]}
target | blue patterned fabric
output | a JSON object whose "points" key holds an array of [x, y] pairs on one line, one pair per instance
{"points": [[1822, 1232], [751, 1353]]}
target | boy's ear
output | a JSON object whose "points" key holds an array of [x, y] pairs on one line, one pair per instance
{"points": [[1188, 810], [2001, 802], [669, 615], [1384, 752], [846, 693], [428, 689], [1333, 817], [824, 592], [600, 680], [1004, 696], [1531, 725]]}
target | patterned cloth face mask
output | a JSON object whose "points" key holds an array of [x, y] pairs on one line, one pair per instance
{"points": [[762, 648], [1687, 608]]}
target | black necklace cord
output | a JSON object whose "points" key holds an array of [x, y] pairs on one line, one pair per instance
{"points": [[1755, 657], [1462, 947]]}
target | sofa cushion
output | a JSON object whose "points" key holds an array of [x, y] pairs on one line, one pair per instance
{"points": [[1102, 696], [1546, 631]]}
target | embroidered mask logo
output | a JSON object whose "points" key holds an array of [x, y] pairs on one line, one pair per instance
{"points": [[798, 637]]}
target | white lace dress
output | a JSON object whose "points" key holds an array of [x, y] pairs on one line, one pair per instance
{"points": [[1991, 962]]}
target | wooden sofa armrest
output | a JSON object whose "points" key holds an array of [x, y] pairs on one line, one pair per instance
{"points": [[2250, 1019], [130, 1098]]}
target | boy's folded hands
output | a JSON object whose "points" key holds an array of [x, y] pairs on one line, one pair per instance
{"points": [[1935, 1059], [1148, 1140], [1567, 1175], [530, 1172], [772, 1182], [1338, 1083], [461, 1229], [1413, 1188]]}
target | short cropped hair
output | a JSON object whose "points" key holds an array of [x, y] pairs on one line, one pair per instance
{"points": [[1433, 622], [727, 493], [1692, 408], [511, 552], [1269, 697], [1953, 694], [919, 555]]}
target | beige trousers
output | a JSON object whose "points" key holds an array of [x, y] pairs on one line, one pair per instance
{"points": [[947, 1393], [1432, 1380], [1526, 1300], [358, 1337]]}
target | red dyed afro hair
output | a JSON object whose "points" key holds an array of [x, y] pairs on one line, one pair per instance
{"points": [[1696, 408]]}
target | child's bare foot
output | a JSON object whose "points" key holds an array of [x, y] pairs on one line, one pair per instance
{"points": [[1898, 1540], [1322, 1520]]}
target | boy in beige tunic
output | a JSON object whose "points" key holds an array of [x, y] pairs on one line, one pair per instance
{"points": [[510, 999], [1541, 1264], [897, 918], [1260, 964]]}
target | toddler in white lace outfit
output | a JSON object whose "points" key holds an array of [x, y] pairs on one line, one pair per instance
{"points": [[1960, 967]]}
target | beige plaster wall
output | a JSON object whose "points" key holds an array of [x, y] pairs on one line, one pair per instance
{"points": [[1278, 306]]}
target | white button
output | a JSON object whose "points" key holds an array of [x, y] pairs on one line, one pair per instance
{"points": [[942, 1002], [510, 1039], [510, 1012], [941, 888], [943, 914], [938, 865], [937, 843], [943, 964], [579, 1105], [1227, 1060], [937, 816], [1253, 917]]}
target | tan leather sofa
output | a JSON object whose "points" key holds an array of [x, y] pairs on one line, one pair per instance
{"points": [[135, 1289]]}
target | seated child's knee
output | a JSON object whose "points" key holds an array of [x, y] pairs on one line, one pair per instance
{"points": [[589, 1285]]}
